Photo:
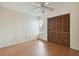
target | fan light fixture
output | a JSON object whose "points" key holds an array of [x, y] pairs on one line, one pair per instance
{"points": [[41, 7]]}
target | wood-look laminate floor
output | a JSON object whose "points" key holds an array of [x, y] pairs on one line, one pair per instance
{"points": [[38, 48]]}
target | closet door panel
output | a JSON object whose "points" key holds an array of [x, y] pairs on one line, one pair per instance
{"points": [[49, 25], [66, 23], [53, 24], [59, 24]]}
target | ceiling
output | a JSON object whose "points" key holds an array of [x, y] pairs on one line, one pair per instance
{"points": [[28, 7]]}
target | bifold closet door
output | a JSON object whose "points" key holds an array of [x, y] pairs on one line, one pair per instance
{"points": [[59, 29], [66, 29], [52, 29]]}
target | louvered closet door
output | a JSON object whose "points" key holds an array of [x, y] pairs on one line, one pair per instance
{"points": [[59, 29], [54, 29], [66, 29], [52, 36], [49, 29]]}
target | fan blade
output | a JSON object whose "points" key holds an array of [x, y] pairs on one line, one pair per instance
{"points": [[46, 3], [35, 4], [36, 9], [49, 8]]}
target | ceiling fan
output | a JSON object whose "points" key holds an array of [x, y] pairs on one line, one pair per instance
{"points": [[42, 6]]}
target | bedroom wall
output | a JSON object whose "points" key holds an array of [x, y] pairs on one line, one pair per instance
{"points": [[73, 9], [16, 27]]}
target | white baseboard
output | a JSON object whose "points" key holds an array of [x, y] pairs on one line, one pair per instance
{"points": [[74, 48], [43, 38], [18, 42]]}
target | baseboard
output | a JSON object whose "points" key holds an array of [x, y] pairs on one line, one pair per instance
{"points": [[43, 38], [18, 42], [77, 49]]}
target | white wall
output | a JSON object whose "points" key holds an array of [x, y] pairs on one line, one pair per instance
{"points": [[74, 27], [73, 9], [16, 27]]}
